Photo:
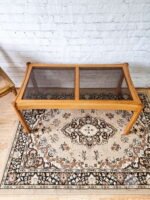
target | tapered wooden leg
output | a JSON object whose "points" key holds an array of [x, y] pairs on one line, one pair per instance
{"points": [[132, 121], [21, 119]]}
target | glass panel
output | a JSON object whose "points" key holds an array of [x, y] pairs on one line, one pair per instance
{"points": [[50, 83], [103, 83]]}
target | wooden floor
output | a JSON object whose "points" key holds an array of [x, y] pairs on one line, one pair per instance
{"points": [[8, 122]]}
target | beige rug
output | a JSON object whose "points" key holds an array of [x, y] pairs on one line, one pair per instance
{"points": [[80, 149]]}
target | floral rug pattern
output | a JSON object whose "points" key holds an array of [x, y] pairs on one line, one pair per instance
{"points": [[80, 149]]}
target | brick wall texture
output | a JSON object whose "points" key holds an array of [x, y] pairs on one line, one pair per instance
{"points": [[75, 31]]}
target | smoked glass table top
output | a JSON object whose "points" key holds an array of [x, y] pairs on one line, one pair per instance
{"points": [[50, 83], [78, 86], [94, 83]]}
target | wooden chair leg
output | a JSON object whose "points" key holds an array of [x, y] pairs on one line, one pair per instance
{"points": [[132, 121], [21, 119]]}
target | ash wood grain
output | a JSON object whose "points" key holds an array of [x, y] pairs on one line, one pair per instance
{"points": [[74, 65], [78, 104]]}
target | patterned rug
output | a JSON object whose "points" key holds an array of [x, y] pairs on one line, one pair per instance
{"points": [[80, 149]]}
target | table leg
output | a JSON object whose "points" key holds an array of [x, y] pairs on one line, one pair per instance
{"points": [[132, 121], [21, 118]]}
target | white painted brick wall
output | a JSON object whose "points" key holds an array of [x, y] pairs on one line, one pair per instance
{"points": [[75, 31]]}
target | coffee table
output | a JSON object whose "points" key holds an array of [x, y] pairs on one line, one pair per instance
{"points": [[78, 86]]}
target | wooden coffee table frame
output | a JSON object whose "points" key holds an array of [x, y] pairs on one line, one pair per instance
{"points": [[134, 105]]}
